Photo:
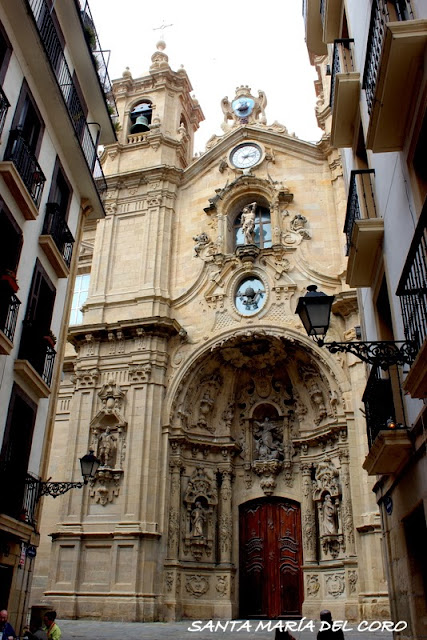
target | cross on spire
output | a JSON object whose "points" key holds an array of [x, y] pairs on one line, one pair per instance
{"points": [[162, 27]]}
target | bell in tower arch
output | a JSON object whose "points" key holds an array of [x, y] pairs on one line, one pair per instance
{"points": [[141, 118]]}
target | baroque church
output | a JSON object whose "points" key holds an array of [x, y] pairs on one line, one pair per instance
{"points": [[231, 444]]}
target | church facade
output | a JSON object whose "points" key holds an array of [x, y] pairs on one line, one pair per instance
{"points": [[231, 444]]}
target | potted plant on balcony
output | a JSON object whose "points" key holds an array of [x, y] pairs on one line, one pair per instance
{"points": [[9, 277], [50, 338]]}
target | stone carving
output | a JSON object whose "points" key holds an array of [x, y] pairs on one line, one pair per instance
{"points": [[313, 586], [105, 487], [326, 494], [222, 586], [335, 585], [330, 518], [107, 448], [205, 408], [173, 529], [295, 231], [85, 378], [169, 580], [228, 415], [201, 241], [225, 532], [352, 580], [139, 372], [248, 222], [196, 585]]}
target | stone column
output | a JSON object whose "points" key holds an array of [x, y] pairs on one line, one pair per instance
{"points": [[225, 519], [174, 509], [308, 516], [346, 508]]}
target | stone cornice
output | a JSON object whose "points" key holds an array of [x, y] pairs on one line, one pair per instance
{"points": [[156, 325]]}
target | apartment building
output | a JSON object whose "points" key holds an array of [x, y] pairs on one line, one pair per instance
{"points": [[55, 108], [372, 100]]}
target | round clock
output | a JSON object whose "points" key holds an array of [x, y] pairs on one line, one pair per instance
{"points": [[245, 155]]}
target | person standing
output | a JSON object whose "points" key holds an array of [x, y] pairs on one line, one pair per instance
{"points": [[6, 629], [52, 629]]}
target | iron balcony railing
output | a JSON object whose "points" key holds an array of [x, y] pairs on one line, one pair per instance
{"points": [[361, 201], [412, 287], [26, 164], [342, 62], [38, 351], [31, 497], [379, 404], [9, 307], [4, 106], [56, 226], [53, 49], [383, 11]]}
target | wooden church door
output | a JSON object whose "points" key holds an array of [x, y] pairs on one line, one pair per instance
{"points": [[270, 559]]}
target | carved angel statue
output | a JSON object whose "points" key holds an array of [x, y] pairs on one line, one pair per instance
{"points": [[226, 109], [261, 104]]}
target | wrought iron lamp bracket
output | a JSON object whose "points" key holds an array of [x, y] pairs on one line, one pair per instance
{"points": [[382, 353], [56, 489]]}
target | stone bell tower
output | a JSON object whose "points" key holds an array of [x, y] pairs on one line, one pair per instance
{"points": [[163, 98]]}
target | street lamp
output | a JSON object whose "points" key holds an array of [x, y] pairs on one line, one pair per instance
{"points": [[89, 465], [314, 310]]}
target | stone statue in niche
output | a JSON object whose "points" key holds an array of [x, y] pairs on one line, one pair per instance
{"points": [[198, 518], [330, 520], [267, 444], [248, 222], [107, 448]]}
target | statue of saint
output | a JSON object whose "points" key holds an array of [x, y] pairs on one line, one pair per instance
{"points": [[329, 517], [267, 446], [248, 222], [198, 518], [107, 448]]}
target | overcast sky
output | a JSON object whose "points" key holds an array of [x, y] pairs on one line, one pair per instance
{"points": [[221, 44]]}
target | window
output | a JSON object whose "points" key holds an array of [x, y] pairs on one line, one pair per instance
{"points": [[38, 317], [81, 290], [60, 190], [262, 229], [5, 52], [10, 241]]}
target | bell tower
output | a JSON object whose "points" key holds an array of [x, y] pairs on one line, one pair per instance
{"points": [[158, 117]]}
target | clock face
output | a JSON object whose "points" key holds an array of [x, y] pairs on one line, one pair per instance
{"points": [[245, 155]]}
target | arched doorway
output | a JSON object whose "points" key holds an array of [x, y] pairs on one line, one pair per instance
{"points": [[270, 559]]}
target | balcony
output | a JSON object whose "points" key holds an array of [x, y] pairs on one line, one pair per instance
{"points": [[57, 240], [363, 229], [389, 448], [53, 49], [9, 307], [4, 106], [394, 61], [345, 92], [23, 175], [412, 290], [331, 13], [20, 500], [313, 27], [36, 361]]}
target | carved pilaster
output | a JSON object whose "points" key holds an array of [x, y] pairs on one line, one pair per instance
{"points": [[347, 509], [308, 516], [225, 518], [175, 503]]}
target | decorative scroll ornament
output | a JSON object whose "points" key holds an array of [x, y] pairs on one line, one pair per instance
{"points": [[197, 585]]}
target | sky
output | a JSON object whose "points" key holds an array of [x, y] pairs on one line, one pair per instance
{"points": [[222, 45]]}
